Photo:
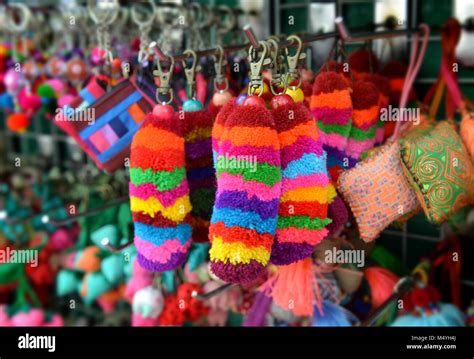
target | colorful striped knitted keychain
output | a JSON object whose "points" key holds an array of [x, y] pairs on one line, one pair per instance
{"points": [[304, 197], [159, 193], [303, 203], [221, 104], [383, 85], [331, 106], [366, 103], [195, 123], [247, 162], [365, 117]]}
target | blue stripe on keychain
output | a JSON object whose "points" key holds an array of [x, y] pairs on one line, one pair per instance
{"points": [[159, 235], [127, 120], [110, 115], [118, 146], [87, 96]]}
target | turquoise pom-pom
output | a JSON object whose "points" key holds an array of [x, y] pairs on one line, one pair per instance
{"points": [[112, 268], [197, 255], [108, 231], [96, 286], [168, 281], [67, 282], [192, 106]]}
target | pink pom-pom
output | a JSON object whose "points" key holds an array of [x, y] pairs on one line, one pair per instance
{"points": [[141, 278], [61, 239], [139, 321], [192, 277], [28, 101], [65, 100], [33, 318], [12, 81], [97, 56], [4, 318], [57, 86]]}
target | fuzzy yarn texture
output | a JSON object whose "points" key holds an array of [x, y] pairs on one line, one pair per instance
{"points": [[159, 195], [218, 127], [362, 62], [331, 105], [365, 117], [196, 128], [244, 219], [339, 215], [304, 189], [395, 72], [383, 85]]}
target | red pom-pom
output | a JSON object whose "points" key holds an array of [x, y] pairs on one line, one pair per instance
{"points": [[116, 63], [394, 69], [363, 61], [193, 308], [327, 82], [420, 297], [364, 95], [381, 82], [408, 305], [18, 122], [433, 294], [332, 65], [172, 313]]}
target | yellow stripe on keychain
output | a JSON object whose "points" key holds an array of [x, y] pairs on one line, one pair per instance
{"points": [[151, 206]]}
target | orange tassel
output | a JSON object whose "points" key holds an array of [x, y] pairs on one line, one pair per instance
{"points": [[381, 282], [293, 287]]}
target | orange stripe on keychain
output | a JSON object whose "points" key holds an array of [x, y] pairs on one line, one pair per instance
{"points": [[338, 99], [307, 129], [361, 117], [163, 139], [253, 136], [217, 131]]}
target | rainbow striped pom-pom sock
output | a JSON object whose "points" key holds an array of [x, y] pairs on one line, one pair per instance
{"points": [[365, 116], [159, 193], [305, 183], [218, 127], [331, 106], [196, 128], [245, 213]]}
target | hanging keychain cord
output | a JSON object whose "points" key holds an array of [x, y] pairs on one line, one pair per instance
{"points": [[190, 72], [144, 27]]}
